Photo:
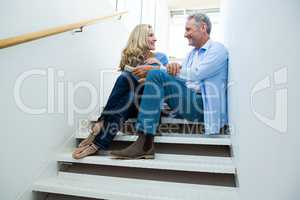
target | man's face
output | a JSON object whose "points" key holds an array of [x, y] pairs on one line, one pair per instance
{"points": [[195, 34]]}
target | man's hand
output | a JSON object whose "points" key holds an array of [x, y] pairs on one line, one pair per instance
{"points": [[141, 70], [173, 68]]}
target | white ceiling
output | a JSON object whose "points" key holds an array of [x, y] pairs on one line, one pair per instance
{"points": [[194, 4]]}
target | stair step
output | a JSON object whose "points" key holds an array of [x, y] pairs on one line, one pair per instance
{"points": [[223, 140], [207, 164], [169, 120], [116, 188]]}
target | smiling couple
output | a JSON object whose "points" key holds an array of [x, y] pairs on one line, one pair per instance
{"points": [[196, 90]]}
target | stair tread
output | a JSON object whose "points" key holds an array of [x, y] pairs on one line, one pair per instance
{"points": [[170, 120], [208, 164], [116, 188], [223, 140]]}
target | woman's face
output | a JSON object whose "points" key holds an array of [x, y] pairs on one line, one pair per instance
{"points": [[151, 39]]}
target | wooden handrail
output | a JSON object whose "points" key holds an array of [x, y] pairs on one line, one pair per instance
{"points": [[52, 31]]}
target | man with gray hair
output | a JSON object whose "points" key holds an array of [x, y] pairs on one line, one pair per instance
{"points": [[196, 89]]}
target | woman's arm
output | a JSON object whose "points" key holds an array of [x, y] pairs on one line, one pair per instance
{"points": [[159, 61]]}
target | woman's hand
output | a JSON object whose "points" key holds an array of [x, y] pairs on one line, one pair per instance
{"points": [[142, 80], [141, 70]]}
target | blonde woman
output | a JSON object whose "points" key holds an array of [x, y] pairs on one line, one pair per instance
{"points": [[124, 99]]}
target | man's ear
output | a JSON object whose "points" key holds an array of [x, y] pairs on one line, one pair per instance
{"points": [[203, 27]]}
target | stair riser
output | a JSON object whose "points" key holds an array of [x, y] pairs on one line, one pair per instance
{"points": [[227, 180], [129, 128], [186, 149], [66, 197]]}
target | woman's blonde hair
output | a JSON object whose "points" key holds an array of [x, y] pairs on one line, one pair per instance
{"points": [[137, 47]]}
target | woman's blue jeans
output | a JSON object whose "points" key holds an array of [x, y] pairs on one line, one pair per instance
{"points": [[122, 104], [129, 99]]}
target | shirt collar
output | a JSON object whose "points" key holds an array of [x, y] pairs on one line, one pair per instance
{"points": [[206, 45]]}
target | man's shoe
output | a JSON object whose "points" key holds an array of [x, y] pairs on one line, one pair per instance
{"points": [[84, 151], [135, 150]]}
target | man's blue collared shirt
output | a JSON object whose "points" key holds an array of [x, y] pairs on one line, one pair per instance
{"points": [[205, 70]]}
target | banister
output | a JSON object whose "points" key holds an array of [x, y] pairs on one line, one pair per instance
{"points": [[4, 43]]}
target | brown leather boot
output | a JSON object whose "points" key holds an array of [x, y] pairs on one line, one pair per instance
{"points": [[136, 150]]}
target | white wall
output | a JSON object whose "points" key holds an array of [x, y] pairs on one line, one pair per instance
{"points": [[66, 62], [29, 142], [263, 37], [192, 4], [162, 25], [134, 16], [154, 12]]}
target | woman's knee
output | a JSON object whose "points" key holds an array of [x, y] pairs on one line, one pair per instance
{"points": [[126, 78]]}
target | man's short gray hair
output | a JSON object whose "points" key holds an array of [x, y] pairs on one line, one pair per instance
{"points": [[200, 17]]}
